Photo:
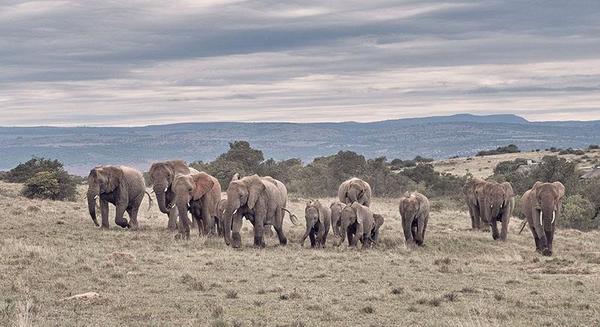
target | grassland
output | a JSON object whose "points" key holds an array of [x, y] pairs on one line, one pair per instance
{"points": [[51, 250]]}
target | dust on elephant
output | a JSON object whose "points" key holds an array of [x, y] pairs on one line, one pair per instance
{"points": [[355, 190], [358, 223], [414, 210], [318, 221], [199, 194], [496, 205], [120, 185], [162, 175], [262, 200], [470, 190], [542, 206], [336, 212]]}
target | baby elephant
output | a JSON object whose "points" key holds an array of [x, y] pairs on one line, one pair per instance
{"points": [[318, 220], [414, 209], [358, 222]]}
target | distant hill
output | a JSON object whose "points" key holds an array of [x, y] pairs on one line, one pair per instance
{"points": [[439, 137]]}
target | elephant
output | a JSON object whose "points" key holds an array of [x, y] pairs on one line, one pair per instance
{"points": [[262, 200], [220, 215], [542, 206], [470, 190], [355, 190], [162, 175], [496, 204], [414, 210], [336, 211], [358, 223], [318, 221], [120, 185], [198, 193]]}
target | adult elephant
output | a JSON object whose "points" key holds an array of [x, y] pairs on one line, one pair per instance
{"points": [[120, 185], [470, 190], [318, 221], [262, 200], [495, 205], [358, 223], [414, 210], [198, 193], [162, 175], [336, 215], [355, 190], [542, 206]]}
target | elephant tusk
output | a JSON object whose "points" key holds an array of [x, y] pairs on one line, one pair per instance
{"points": [[541, 215], [96, 197], [491, 205], [235, 211], [553, 216], [166, 188]]}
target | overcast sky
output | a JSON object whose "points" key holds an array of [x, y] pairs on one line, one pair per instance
{"points": [[153, 62]]}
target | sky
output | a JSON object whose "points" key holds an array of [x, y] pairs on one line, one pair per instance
{"points": [[126, 63]]}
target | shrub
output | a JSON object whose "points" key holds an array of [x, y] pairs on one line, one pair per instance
{"points": [[577, 152], [593, 147], [506, 167], [24, 171], [578, 213], [511, 148], [53, 185]]}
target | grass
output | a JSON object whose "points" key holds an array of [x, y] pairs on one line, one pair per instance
{"points": [[146, 278]]}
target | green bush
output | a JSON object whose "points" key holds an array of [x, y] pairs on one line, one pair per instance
{"points": [[511, 148], [578, 213], [24, 171], [53, 185]]}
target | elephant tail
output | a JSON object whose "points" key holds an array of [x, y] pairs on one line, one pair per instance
{"points": [[150, 201], [293, 217]]}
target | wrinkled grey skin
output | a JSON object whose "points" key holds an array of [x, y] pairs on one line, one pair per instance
{"points": [[358, 223], [162, 175], [120, 185], [355, 190], [260, 199], [414, 210], [496, 204], [336, 217], [318, 221], [542, 205], [470, 190]]}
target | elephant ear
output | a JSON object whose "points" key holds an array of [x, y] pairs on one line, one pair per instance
{"points": [[561, 189], [363, 214], [203, 183], [378, 219], [322, 211], [114, 176], [402, 204], [235, 177], [508, 190], [342, 190], [255, 188]]}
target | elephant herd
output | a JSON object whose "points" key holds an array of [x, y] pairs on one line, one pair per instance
{"points": [[181, 190]]}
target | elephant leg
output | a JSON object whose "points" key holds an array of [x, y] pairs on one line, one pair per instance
{"points": [[172, 225], [494, 225], [306, 233], [320, 235], [505, 223], [474, 223], [408, 232], [119, 220], [133, 212], [420, 231], [184, 226], [207, 220], [259, 228], [280, 234], [104, 213], [358, 233], [538, 245], [236, 226]]}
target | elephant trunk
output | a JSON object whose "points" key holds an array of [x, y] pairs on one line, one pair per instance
{"points": [[161, 198], [91, 198], [308, 228], [547, 216], [231, 206]]}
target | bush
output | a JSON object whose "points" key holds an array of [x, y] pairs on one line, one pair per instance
{"points": [[24, 171], [576, 152], [511, 148], [593, 147], [578, 213], [53, 185], [507, 167]]}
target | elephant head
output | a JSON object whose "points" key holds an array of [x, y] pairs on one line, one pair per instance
{"points": [[161, 177], [547, 197], [314, 213], [358, 220], [241, 194], [355, 190], [497, 198], [101, 180]]}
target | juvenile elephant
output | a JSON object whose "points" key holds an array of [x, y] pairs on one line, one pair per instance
{"points": [[358, 223], [414, 210], [542, 206], [496, 204], [220, 214], [199, 193], [262, 200], [355, 190], [336, 215], [120, 185], [162, 175], [318, 220], [470, 190]]}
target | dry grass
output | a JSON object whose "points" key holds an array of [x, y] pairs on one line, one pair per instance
{"points": [[147, 278]]}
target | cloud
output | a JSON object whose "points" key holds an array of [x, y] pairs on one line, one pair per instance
{"points": [[152, 62]]}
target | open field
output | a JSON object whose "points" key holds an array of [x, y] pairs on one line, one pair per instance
{"points": [[484, 166], [51, 250]]}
